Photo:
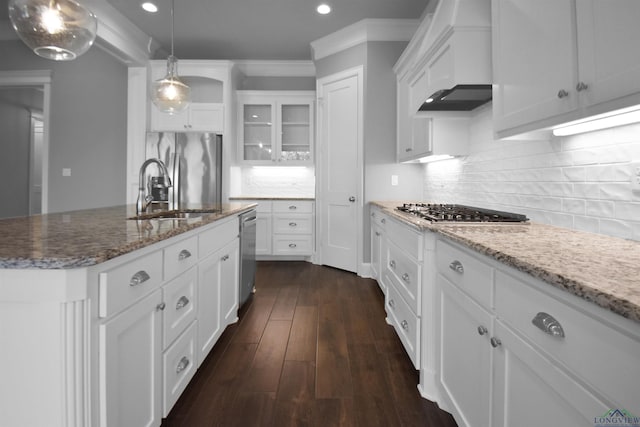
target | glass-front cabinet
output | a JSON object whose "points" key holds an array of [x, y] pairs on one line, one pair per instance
{"points": [[275, 127]]}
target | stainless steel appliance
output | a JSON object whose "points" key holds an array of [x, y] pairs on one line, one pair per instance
{"points": [[458, 213], [247, 254], [194, 163]]}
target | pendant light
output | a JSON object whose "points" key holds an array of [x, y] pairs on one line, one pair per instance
{"points": [[60, 30], [170, 94]]}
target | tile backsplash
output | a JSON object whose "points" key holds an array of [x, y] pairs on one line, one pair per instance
{"points": [[275, 181], [580, 182]]}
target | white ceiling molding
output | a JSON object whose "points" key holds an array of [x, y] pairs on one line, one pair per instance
{"points": [[276, 68], [366, 30], [120, 37]]}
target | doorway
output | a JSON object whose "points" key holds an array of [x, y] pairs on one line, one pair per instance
{"points": [[24, 130]]}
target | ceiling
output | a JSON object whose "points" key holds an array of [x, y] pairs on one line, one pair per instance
{"points": [[255, 29]]}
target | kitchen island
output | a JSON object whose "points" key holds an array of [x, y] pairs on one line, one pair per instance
{"points": [[104, 319], [544, 320]]}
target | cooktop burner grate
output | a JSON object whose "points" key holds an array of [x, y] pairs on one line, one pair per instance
{"points": [[458, 213]]}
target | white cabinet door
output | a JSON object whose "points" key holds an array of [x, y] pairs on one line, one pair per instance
{"points": [[130, 365], [531, 391], [198, 117], [263, 234], [376, 253], [209, 327], [534, 62], [230, 283], [608, 33], [465, 356]]}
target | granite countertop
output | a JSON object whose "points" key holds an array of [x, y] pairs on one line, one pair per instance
{"points": [[601, 269], [88, 237], [272, 198]]}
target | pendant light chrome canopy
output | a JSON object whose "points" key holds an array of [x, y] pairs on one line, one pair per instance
{"points": [[170, 94], [60, 30]]}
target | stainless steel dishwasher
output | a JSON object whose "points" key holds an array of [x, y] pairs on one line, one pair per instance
{"points": [[247, 254]]}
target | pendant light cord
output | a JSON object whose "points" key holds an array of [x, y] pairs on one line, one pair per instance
{"points": [[172, 6]]}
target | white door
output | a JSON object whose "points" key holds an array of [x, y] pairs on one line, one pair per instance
{"points": [[340, 170]]}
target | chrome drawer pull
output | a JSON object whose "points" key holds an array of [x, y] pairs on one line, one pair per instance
{"points": [[562, 93], [377, 233], [405, 325], [548, 324], [457, 266], [482, 330], [182, 302], [184, 254], [293, 224], [182, 365], [293, 207], [384, 221], [224, 258], [139, 278], [392, 264], [495, 342], [392, 303], [293, 245], [160, 307], [405, 277]]}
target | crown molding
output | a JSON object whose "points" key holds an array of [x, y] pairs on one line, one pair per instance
{"points": [[366, 30], [276, 68]]}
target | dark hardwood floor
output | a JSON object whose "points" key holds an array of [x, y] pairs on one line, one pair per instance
{"points": [[311, 348]]}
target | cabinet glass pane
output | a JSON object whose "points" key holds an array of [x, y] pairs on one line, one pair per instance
{"points": [[295, 132], [257, 143], [295, 114]]}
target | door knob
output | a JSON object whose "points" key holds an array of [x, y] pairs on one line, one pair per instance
{"points": [[352, 199]]}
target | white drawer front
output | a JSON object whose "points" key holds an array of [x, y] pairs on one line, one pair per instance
{"points": [[292, 206], [589, 346], [178, 366], [300, 224], [124, 285], [406, 324], [180, 300], [217, 237], [264, 206], [466, 272], [406, 275], [180, 257], [406, 238], [292, 245]]}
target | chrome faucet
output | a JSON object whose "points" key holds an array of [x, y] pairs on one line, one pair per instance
{"points": [[143, 201]]}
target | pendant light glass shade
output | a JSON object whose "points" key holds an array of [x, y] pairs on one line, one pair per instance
{"points": [[170, 94], [60, 30]]}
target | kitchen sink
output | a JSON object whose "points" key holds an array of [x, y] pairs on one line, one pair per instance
{"points": [[179, 214]]}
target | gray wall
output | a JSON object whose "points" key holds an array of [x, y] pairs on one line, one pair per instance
{"points": [[87, 129], [378, 59]]}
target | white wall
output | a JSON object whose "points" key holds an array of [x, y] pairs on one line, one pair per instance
{"points": [[580, 182]]}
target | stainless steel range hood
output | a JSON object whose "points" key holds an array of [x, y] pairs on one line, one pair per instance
{"points": [[457, 60]]}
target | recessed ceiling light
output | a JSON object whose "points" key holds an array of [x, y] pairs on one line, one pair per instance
{"points": [[149, 7], [324, 9]]}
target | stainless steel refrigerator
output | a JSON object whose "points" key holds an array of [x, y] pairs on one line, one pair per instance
{"points": [[194, 163]]}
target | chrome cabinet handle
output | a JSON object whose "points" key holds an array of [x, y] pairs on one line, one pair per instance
{"points": [[352, 199], [183, 364], [548, 324], [384, 221], [482, 330], [160, 306], [405, 277], [582, 86], [405, 325], [224, 258], [293, 224], [377, 233], [373, 214], [293, 207], [457, 266], [495, 342], [392, 303], [139, 278], [182, 302], [392, 264], [406, 150], [562, 93], [184, 254], [293, 245]]}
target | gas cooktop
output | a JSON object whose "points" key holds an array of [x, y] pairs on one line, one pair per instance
{"points": [[458, 213]]}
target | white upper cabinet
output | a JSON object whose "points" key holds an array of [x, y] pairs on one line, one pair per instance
{"points": [[205, 113], [560, 60], [275, 127]]}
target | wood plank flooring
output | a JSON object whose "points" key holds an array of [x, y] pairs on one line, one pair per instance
{"points": [[311, 348]]}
